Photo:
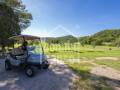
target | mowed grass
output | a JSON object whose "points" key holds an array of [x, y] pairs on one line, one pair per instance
{"points": [[77, 51], [87, 54]]}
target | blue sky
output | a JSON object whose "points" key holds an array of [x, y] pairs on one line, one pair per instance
{"points": [[76, 17]]}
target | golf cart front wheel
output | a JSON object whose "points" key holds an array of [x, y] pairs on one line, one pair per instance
{"points": [[29, 71], [45, 66], [7, 65]]}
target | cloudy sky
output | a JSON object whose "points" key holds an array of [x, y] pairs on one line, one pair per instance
{"points": [[75, 17]]}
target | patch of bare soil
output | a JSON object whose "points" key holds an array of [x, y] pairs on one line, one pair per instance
{"points": [[111, 76], [106, 58]]}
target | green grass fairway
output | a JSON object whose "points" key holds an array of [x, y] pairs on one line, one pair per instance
{"points": [[77, 51]]}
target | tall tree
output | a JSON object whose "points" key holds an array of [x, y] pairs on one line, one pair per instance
{"points": [[117, 42], [24, 16], [14, 18], [9, 24]]}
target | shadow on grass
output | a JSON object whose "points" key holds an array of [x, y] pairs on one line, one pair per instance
{"points": [[66, 51], [53, 51]]}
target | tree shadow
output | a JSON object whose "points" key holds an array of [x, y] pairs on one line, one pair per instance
{"points": [[52, 79]]}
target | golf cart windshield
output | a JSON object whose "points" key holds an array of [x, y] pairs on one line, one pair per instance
{"points": [[34, 47], [34, 43]]}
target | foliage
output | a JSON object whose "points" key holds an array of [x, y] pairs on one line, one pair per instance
{"points": [[13, 19], [105, 37], [84, 40], [64, 39], [117, 42], [102, 37], [24, 16], [9, 24]]}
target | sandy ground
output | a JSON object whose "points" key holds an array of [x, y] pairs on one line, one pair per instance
{"points": [[107, 58], [57, 77]]}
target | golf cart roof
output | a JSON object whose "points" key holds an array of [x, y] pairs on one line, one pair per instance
{"points": [[24, 37]]}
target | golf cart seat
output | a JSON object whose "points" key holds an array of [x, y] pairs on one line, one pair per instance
{"points": [[18, 53]]}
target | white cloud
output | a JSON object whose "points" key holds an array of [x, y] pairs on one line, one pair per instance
{"points": [[37, 32]]}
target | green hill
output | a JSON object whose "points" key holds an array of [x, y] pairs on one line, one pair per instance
{"points": [[102, 37], [105, 37]]}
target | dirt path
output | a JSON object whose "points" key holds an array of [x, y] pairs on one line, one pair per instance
{"points": [[57, 77], [111, 76]]}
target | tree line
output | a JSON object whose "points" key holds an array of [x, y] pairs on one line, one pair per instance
{"points": [[105, 37], [64, 39]]}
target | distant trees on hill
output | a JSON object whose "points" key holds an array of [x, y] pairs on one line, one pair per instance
{"points": [[105, 37], [64, 39]]}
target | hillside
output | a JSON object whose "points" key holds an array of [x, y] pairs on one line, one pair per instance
{"points": [[107, 35]]}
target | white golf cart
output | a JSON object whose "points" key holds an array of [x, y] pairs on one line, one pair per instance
{"points": [[33, 56]]}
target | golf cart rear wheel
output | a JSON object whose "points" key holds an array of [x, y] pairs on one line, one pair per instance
{"points": [[7, 65], [29, 71]]}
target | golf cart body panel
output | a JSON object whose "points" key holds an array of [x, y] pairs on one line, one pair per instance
{"points": [[35, 58]]}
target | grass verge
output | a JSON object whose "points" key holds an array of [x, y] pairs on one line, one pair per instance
{"points": [[110, 63], [87, 81]]}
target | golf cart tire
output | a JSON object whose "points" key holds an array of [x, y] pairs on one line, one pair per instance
{"points": [[29, 71], [45, 66], [39, 67], [7, 65]]}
